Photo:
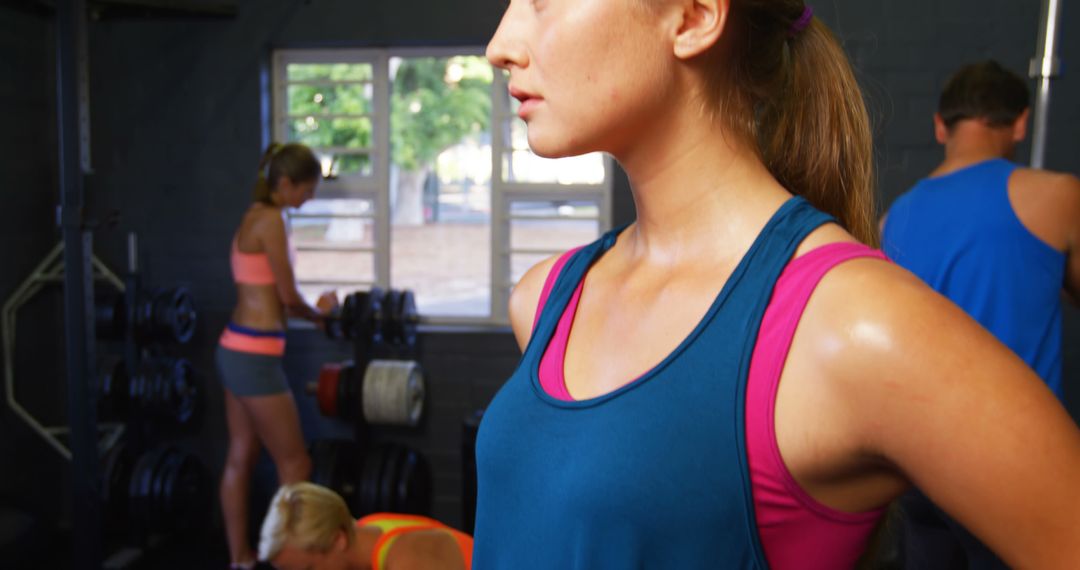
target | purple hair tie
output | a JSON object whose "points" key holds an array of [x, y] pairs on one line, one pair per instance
{"points": [[799, 25]]}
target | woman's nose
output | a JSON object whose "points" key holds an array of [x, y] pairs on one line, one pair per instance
{"points": [[506, 48]]}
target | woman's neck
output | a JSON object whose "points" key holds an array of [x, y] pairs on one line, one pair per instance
{"points": [[696, 189], [361, 549]]}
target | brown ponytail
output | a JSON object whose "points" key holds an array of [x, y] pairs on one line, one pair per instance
{"points": [[293, 161], [263, 190], [791, 89]]}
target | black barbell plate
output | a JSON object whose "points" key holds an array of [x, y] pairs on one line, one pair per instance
{"points": [[319, 451], [369, 481], [375, 316], [163, 493], [183, 317], [388, 479], [410, 319], [157, 503], [353, 377], [116, 476], [391, 323], [414, 485], [192, 487], [184, 393], [139, 487]]}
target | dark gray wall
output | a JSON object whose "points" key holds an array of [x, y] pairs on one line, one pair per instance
{"points": [[27, 230], [177, 130]]}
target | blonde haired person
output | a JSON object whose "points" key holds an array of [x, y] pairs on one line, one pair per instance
{"points": [[309, 527]]}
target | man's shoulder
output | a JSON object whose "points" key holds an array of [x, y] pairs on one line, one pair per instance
{"points": [[1047, 203], [1046, 181]]}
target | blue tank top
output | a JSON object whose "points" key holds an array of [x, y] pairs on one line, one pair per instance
{"points": [[652, 475], [959, 234]]}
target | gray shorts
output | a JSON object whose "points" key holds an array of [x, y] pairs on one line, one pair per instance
{"points": [[246, 374]]}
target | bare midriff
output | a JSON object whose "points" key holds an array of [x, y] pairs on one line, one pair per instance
{"points": [[259, 307]]}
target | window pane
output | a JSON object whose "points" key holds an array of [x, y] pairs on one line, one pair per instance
{"points": [[335, 164], [554, 208], [330, 71], [343, 271], [520, 263], [350, 164], [440, 193], [521, 165], [325, 235], [340, 132], [333, 223], [552, 236], [519, 135], [524, 166], [327, 99]]}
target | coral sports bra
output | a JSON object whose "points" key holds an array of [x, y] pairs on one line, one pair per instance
{"points": [[250, 268]]}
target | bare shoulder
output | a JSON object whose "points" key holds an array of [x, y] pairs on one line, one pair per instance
{"points": [[425, 550], [1059, 185], [265, 215], [262, 223], [876, 328], [525, 297], [1048, 204], [825, 235]]}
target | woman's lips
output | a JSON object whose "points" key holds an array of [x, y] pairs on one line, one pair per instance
{"points": [[529, 102], [528, 105]]}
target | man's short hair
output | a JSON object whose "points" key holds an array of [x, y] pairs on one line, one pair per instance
{"points": [[986, 91], [306, 516]]}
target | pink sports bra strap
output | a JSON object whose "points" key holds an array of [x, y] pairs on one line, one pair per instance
{"points": [[793, 526], [549, 283]]}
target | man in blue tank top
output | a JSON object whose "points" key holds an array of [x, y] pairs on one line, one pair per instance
{"points": [[1002, 242]]}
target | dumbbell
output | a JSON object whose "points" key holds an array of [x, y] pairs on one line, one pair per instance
{"points": [[360, 317], [378, 316], [388, 478], [164, 315], [163, 489], [162, 389], [402, 319], [387, 392]]}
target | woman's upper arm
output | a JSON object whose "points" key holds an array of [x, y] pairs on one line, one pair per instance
{"points": [[524, 300], [1072, 269], [965, 419], [275, 242]]}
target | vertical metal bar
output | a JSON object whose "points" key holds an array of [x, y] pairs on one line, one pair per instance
{"points": [[133, 253], [1044, 69], [78, 295], [382, 164], [500, 224], [82, 58], [131, 300]]}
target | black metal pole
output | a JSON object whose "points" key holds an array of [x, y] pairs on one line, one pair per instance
{"points": [[78, 296]]}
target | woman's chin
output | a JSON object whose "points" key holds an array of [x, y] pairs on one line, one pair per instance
{"points": [[553, 147]]}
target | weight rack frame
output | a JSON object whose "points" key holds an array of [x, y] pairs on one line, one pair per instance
{"points": [[49, 272]]}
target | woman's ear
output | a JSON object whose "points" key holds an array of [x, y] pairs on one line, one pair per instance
{"points": [[701, 26]]}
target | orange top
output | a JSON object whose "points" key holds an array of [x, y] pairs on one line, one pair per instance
{"points": [[395, 525], [250, 268]]}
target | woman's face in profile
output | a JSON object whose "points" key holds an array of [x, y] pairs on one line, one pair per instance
{"points": [[590, 74], [295, 194]]}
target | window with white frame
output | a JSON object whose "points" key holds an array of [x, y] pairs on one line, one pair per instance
{"points": [[430, 184]]}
